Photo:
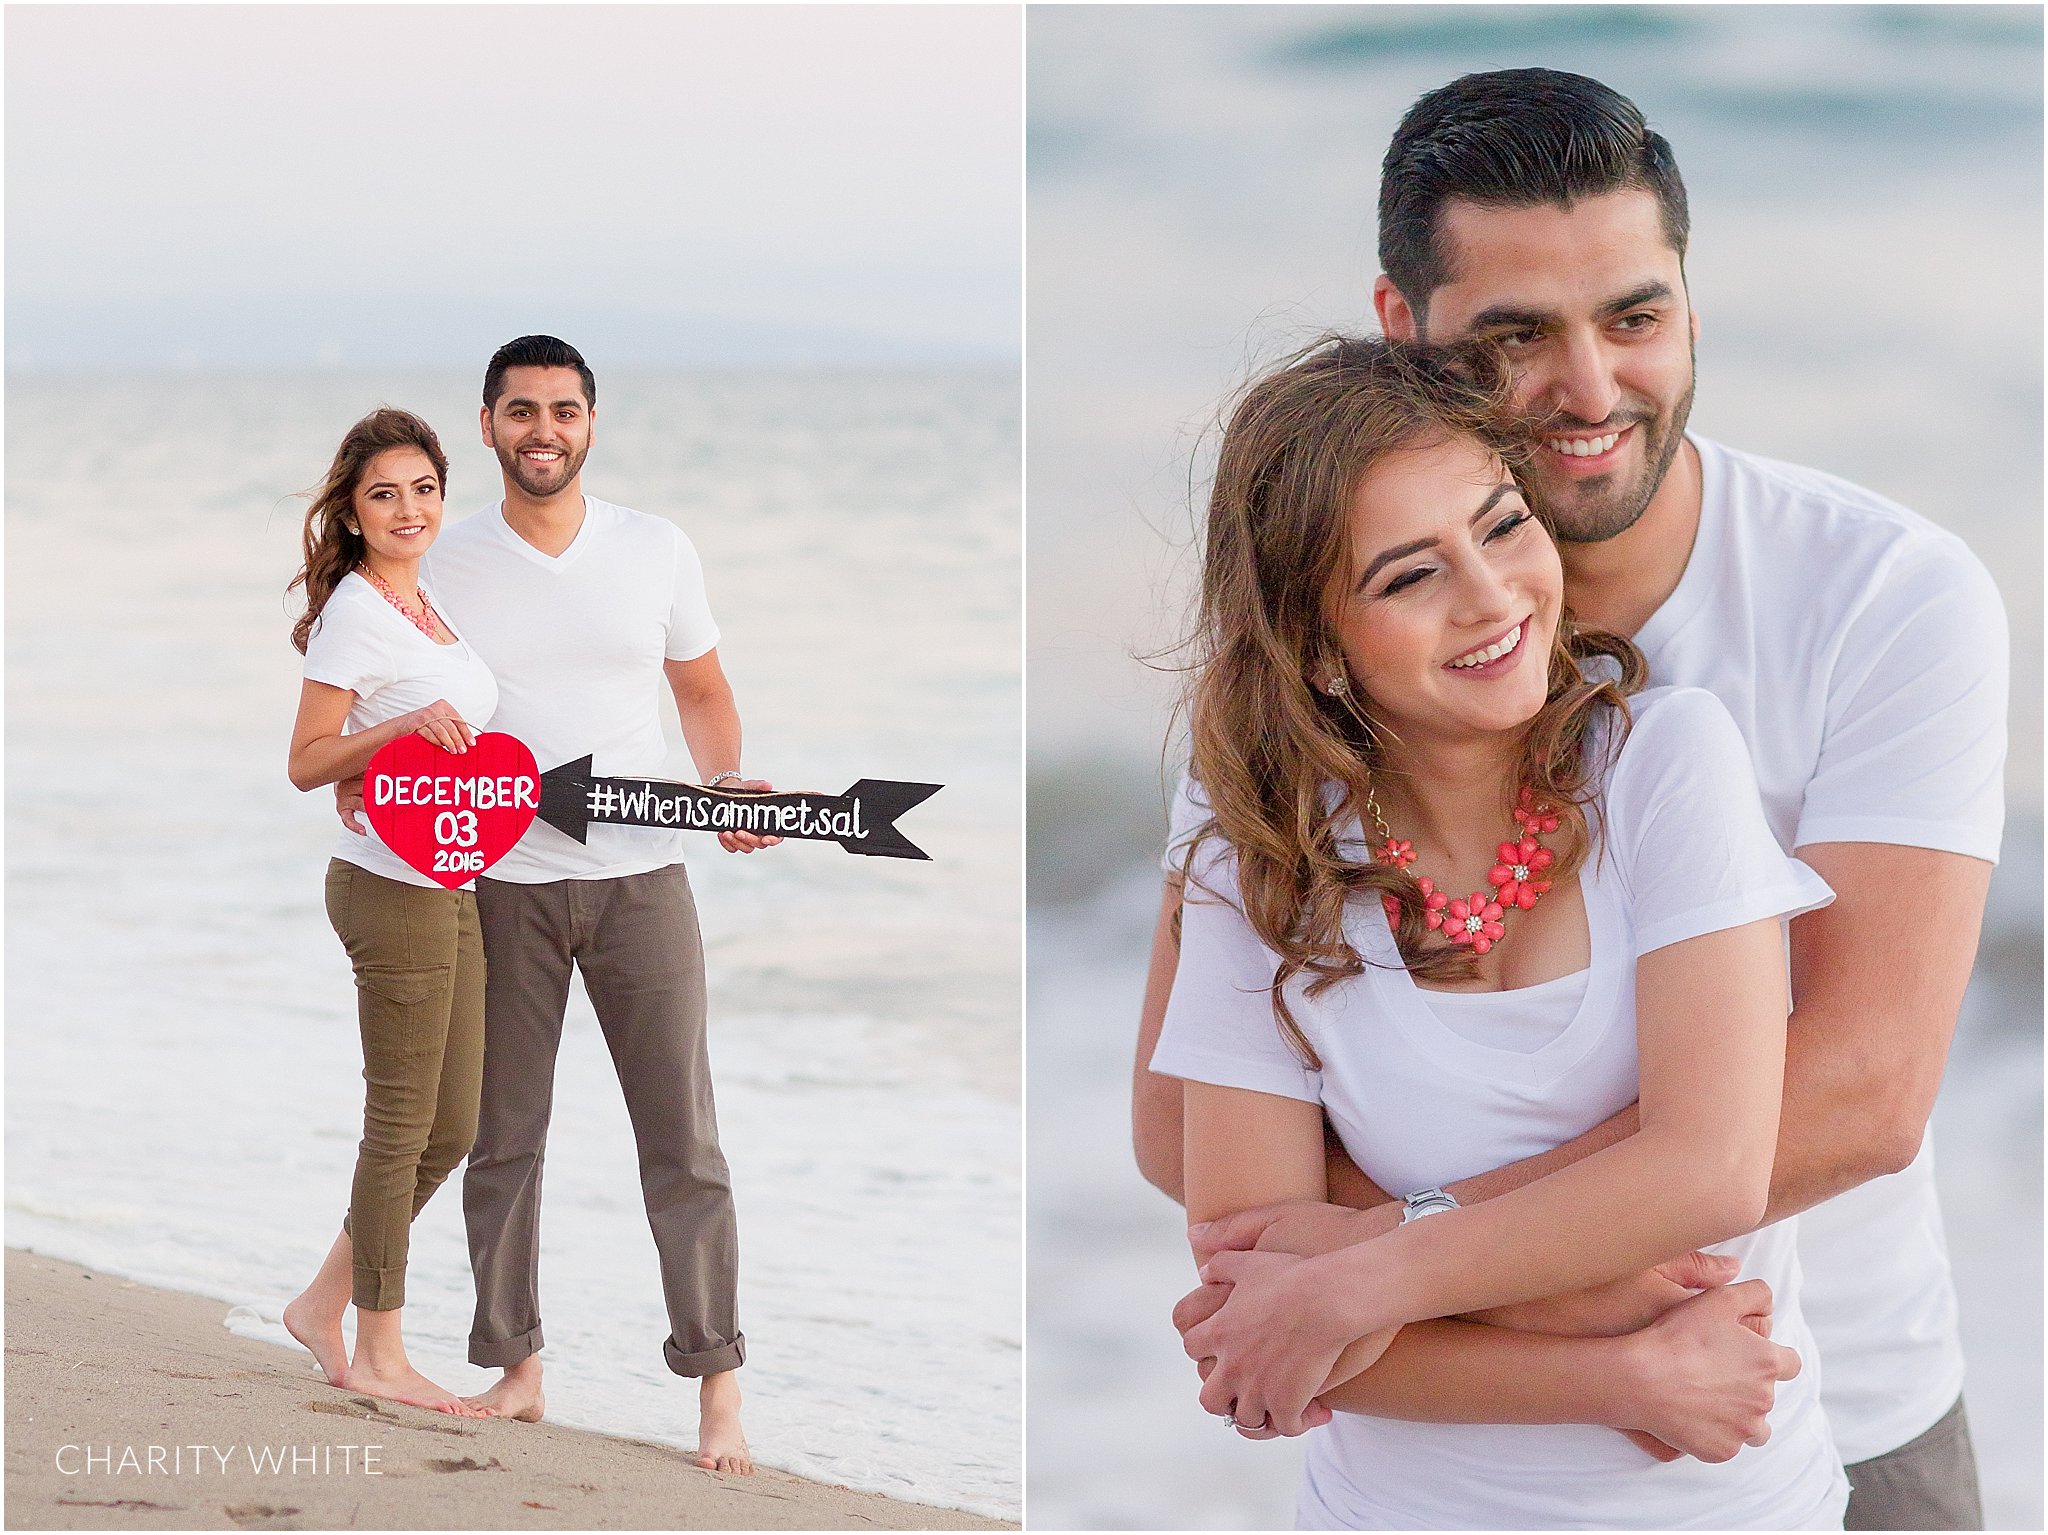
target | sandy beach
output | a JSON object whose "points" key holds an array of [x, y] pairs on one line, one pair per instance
{"points": [[130, 1407]]}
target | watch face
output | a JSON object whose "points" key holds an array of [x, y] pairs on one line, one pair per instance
{"points": [[1426, 1202]]}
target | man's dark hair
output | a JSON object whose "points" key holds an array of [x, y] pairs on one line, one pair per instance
{"points": [[535, 352], [1513, 138]]}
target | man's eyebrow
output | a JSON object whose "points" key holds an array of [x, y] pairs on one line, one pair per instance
{"points": [[1655, 291], [1513, 317], [535, 404], [1508, 317], [1401, 551]]}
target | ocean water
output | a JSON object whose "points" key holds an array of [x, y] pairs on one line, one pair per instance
{"points": [[1866, 258], [183, 1093]]}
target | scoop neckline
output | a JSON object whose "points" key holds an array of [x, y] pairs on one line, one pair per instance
{"points": [[1555, 983], [1410, 1007]]}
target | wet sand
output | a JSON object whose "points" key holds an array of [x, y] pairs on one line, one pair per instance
{"points": [[130, 1407]]}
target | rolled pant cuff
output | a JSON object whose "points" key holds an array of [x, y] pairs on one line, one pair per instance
{"points": [[503, 1353], [711, 1361], [379, 1289]]}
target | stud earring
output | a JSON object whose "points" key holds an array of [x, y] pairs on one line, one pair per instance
{"points": [[1338, 685]]}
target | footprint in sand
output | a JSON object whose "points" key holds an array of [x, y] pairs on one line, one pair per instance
{"points": [[369, 1408], [247, 1514], [466, 1464]]}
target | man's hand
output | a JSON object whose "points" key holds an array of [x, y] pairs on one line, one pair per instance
{"points": [[348, 799], [1620, 1306], [1701, 1379], [747, 841], [1303, 1227]]}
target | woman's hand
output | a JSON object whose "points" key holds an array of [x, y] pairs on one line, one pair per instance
{"points": [[1275, 1339], [439, 723], [1198, 1306], [322, 754], [1701, 1379]]}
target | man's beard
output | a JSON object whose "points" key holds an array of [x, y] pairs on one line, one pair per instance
{"points": [[1586, 512], [537, 482]]}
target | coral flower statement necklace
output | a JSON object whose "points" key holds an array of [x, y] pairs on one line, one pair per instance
{"points": [[1517, 881], [423, 620]]}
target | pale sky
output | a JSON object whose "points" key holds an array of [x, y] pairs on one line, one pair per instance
{"points": [[378, 184]]}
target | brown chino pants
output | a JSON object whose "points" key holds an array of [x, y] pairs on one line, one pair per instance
{"points": [[1928, 1483], [419, 966], [635, 941]]}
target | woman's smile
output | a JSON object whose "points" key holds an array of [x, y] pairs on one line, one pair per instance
{"points": [[1493, 657]]}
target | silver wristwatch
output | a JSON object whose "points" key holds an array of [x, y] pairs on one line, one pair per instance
{"points": [[1426, 1202]]}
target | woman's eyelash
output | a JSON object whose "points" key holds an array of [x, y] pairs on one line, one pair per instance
{"points": [[1408, 578]]}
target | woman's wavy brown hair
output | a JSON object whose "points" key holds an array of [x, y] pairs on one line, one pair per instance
{"points": [[1285, 766], [331, 550]]}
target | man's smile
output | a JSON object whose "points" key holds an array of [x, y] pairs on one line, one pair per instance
{"points": [[1587, 454]]}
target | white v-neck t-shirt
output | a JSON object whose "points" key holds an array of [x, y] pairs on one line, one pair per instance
{"points": [[578, 641], [1682, 849], [362, 643], [1863, 653]]}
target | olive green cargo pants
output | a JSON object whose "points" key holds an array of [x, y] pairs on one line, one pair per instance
{"points": [[418, 957]]}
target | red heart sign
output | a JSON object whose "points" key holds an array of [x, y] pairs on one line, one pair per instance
{"points": [[451, 815]]}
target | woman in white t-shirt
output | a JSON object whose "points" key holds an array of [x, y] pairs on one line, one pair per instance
{"points": [[382, 663], [1447, 887]]}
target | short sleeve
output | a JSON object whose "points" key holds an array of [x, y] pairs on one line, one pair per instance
{"points": [[1219, 1024], [1685, 827], [345, 650], [1914, 751], [691, 631]]}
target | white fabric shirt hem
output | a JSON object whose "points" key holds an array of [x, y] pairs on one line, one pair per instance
{"points": [[1792, 898], [1941, 836]]}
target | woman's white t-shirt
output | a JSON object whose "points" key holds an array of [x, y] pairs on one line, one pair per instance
{"points": [[362, 643], [1681, 850]]}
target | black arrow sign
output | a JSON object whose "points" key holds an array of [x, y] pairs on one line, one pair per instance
{"points": [[862, 820]]}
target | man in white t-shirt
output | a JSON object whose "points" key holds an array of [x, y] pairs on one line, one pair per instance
{"points": [[1863, 652], [583, 611]]}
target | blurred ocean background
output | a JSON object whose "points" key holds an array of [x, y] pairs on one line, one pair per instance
{"points": [[1866, 259], [183, 1095]]}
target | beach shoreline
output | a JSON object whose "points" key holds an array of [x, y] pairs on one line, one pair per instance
{"points": [[134, 1407]]}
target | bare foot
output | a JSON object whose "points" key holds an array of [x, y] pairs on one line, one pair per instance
{"points": [[409, 1386], [720, 1444], [516, 1396], [320, 1331]]}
